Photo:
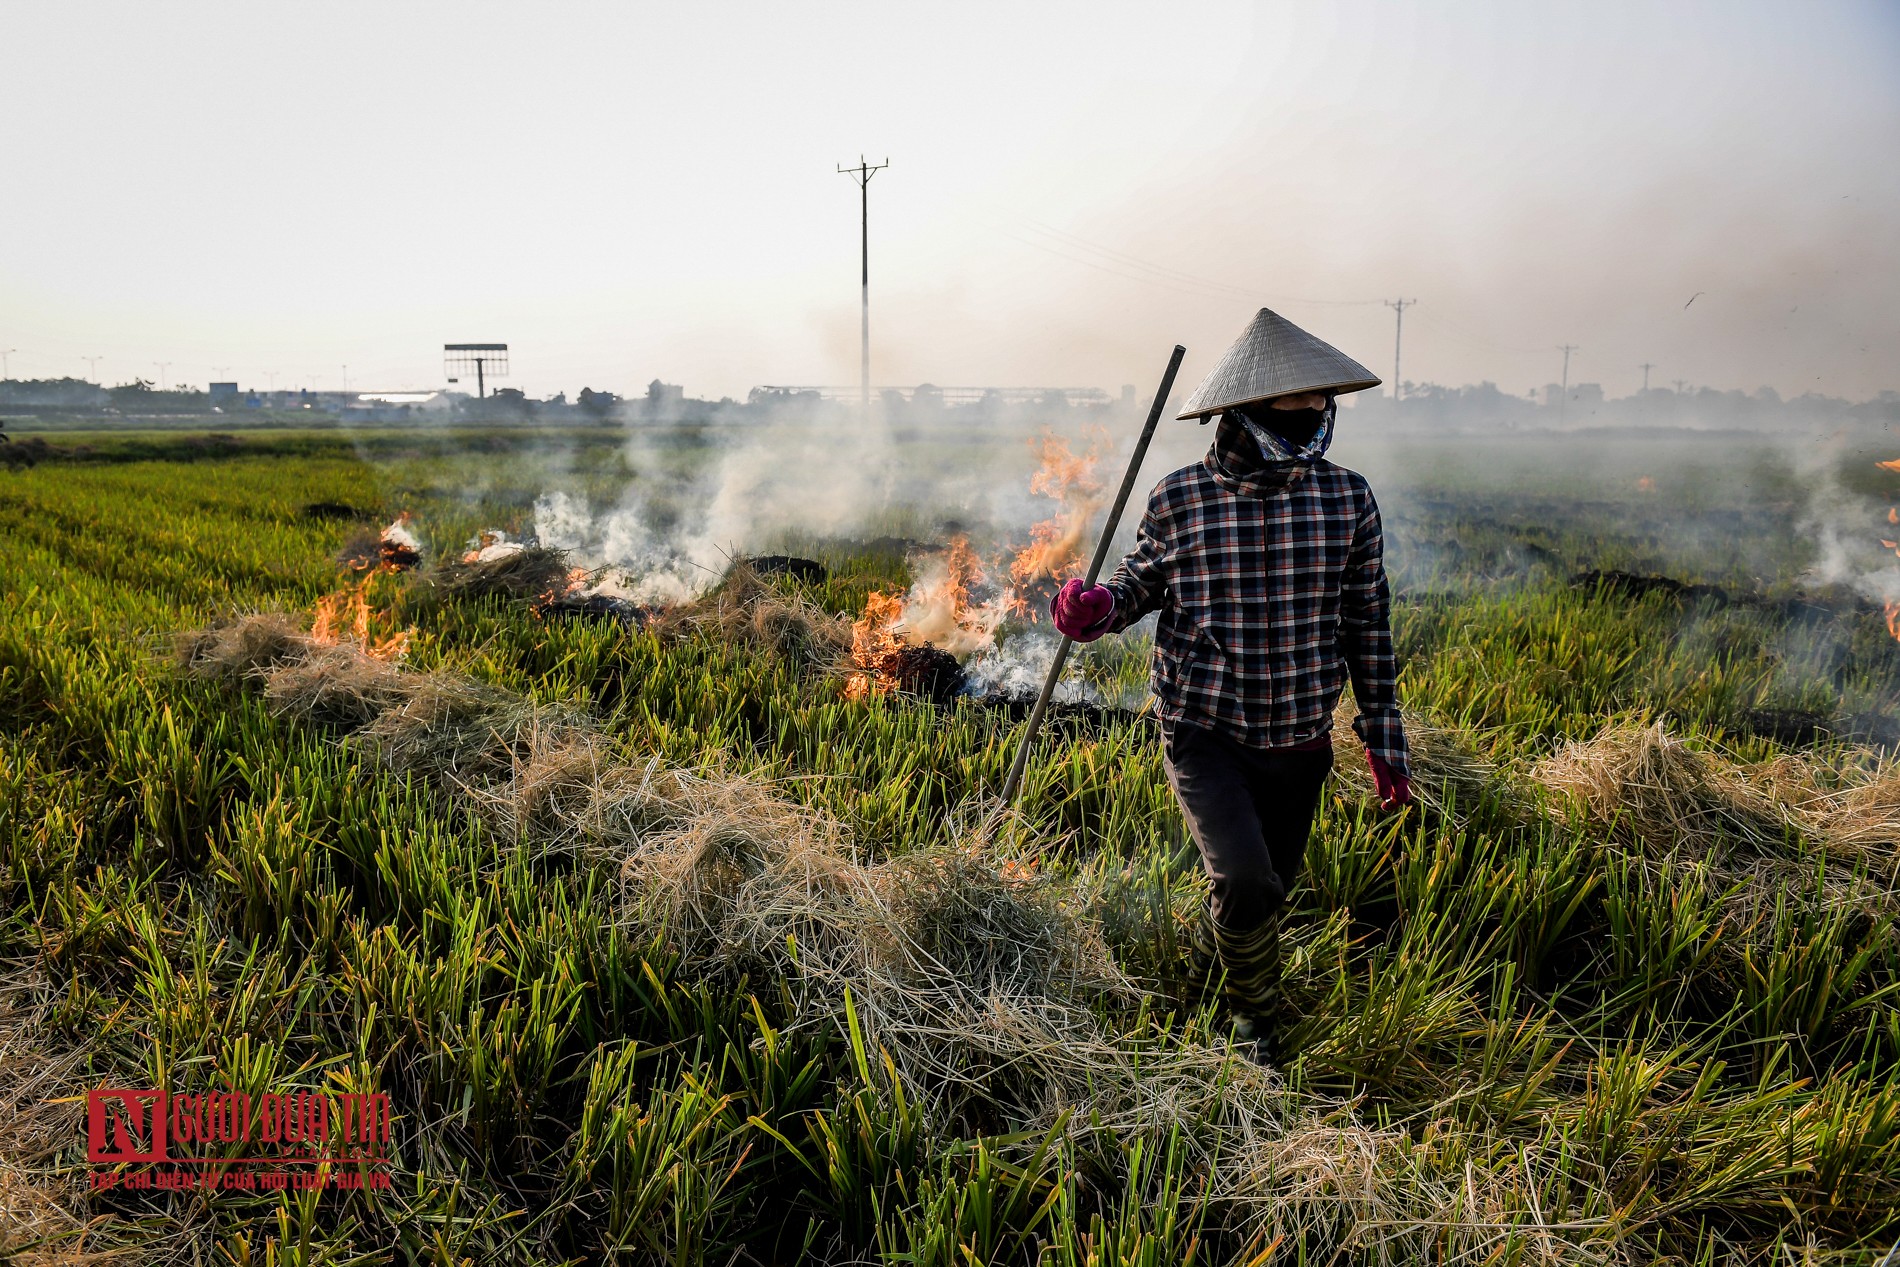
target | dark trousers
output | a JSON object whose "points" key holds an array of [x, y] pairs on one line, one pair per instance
{"points": [[1250, 811]]}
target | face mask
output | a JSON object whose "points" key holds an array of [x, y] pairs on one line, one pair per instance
{"points": [[1296, 435]]}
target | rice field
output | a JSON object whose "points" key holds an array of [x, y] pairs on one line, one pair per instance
{"points": [[665, 950]]}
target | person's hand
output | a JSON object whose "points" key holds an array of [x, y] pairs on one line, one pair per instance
{"points": [[1083, 613], [1395, 789]]}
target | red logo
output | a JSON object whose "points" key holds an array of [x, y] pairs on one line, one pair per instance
{"points": [[297, 1139], [125, 1126]]}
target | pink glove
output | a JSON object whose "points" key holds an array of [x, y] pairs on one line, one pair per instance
{"points": [[1083, 614], [1394, 788]]}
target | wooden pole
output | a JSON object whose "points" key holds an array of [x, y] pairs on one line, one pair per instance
{"points": [[1014, 782]]}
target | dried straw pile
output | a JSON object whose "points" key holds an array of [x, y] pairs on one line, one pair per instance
{"points": [[747, 610], [438, 723], [42, 1201], [1760, 826], [984, 986], [1649, 788], [524, 575]]}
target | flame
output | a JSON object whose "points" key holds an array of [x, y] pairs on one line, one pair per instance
{"points": [[399, 549], [940, 609], [954, 606], [1054, 551], [1893, 517], [575, 581], [345, 616], [874, 640], [490, 544], [1645, 485]]}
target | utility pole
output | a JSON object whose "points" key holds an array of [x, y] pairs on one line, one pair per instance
{"points": [[1679, 384], [272, 376], [1398, 333], [6, 371], [1646, 367], [346, 380], [1563, 395], [162, 367], [92, 366], [862, 173]]}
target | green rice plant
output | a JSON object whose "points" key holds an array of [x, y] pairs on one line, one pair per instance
{"points": [[1535, 1024]]}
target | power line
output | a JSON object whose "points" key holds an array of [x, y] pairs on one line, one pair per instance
{"points": [[1563, 394], [1398, 334], [862, 173]]}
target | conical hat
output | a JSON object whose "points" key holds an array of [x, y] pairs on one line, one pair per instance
{"points": [[1272, 358]]}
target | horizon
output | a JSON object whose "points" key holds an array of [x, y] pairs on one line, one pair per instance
{"points": [[225, 193]]}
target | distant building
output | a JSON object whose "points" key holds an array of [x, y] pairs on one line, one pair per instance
{"points": [[665, 401], [222, 393]]}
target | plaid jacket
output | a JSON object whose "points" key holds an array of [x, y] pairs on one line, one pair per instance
{"points": [[1270, 595]]}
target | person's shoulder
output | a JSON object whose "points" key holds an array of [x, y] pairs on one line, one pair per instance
{"points": [[1331, 475], [1178, 484]]}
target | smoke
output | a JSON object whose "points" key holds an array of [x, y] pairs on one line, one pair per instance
{"points": [[784, 475], [1851, 528]]}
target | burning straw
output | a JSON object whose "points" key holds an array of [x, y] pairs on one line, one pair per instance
{"points": [[984, 983]]}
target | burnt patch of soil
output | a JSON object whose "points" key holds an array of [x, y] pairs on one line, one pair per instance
{"points": [[809, 571], [1812, 608], [325, 512], [927, 672], [621, 611]]}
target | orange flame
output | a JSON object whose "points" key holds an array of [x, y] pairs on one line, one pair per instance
{"points": [[345, 617], [1893, 517], [485, 540], [576, 580], [398, 549], [939, 611], [1645, 485], [874, 640], [1055, 549]]}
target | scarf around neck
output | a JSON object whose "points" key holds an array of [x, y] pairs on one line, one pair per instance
{"points": [[1254, 461]]}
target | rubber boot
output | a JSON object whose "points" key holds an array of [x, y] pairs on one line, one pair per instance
{"points": [[1203, 959], [1251, 984]]}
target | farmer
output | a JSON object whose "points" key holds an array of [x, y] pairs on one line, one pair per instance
{"points": [[1265, 562]]}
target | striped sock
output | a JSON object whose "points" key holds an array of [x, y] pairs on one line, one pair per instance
{"points": [[1203, 955], [1252, 961]]}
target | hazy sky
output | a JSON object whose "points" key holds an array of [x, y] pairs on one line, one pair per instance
{"points": [[638, 190]]}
